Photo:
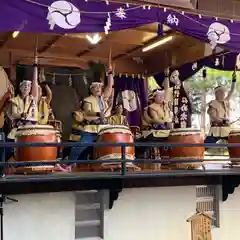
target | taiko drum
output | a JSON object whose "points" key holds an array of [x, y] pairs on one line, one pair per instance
{"points": [[36, 133], [188, 136], [234, 152], [114, 134]]}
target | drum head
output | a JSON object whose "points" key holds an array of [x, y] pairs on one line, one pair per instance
{"points": [[4, 82], [32, 130], [115, 129], [235, 132], [185, 131], [29, 127]]}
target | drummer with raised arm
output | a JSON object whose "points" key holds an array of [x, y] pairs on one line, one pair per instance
{"points": [[218, 112], [96, 111], [44, 107], [157, 119], [23, 108]]}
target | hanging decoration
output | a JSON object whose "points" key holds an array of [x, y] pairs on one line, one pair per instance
{"points": [[108, 24], [194, 66], [85, 79], [217, 62], [238, 62], [70, 80], [42, 77], [54, 79]]}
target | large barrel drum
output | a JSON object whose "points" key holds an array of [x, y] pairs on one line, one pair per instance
{"points": [[36, 133], [114, 134], [234, 152], [188, 136]]}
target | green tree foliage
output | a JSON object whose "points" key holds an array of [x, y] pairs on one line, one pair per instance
{"points": [[198, 86]]}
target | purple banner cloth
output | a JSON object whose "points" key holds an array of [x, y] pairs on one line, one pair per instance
{"points": [[132, 93], [90, 16], [77, 16], [96, 16], [223, 61]]}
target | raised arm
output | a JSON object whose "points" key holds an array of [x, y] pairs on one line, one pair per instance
{"points": [[34, 91], [108, 89], [49, 95], [167, 92], [233, 86]]}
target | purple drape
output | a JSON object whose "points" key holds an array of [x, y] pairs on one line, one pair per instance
{"points": [[222, 61], [94, 16], [132, 92]]}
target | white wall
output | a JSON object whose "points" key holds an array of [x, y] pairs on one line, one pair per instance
{"points": [[161, 213], [48, 216], [151, 213], [138, 214], [229, 218]]}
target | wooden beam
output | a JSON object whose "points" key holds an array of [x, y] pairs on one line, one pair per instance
{"points": [[6, 39], [50, 43], [140, 47]]}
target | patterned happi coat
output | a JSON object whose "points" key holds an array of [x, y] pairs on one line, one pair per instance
{"points": [[182, 109]]}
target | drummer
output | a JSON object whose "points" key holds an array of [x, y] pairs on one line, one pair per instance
{"points": [[118, 117], [218, 112], [4, 102], [157, 117], [45, 98], [23, 108], [96, 111]]}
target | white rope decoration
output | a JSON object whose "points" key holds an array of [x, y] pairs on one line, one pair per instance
{"points": [[53, 79], [64, 10], [70, 80]]}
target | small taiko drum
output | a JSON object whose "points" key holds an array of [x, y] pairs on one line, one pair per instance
{"points": [[36, 133], [115, 134], [234, 152], [188, 136]]}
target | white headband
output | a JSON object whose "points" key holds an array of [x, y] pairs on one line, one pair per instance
{"points": [[94, 84], [158, 92], [221, 88], [25, 82]]}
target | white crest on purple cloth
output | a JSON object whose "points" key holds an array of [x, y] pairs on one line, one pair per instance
{"points": [[218, 33], [63, 14], [130, 100]]}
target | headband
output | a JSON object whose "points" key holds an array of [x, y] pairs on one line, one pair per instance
{"points": [[94, 84], [219, 88], [25, 82], [158, 92]]}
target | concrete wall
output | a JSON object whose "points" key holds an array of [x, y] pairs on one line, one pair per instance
{"points": [[161, 213], [40, 217], [138, 214]]}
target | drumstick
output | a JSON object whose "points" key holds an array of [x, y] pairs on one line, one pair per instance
{"points": [[235, 121], [110, 56]]}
